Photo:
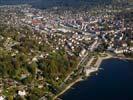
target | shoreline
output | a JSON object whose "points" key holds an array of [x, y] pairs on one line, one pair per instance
{"points": [[123, 58], [67, 88], [100, 59], [97, 64]]}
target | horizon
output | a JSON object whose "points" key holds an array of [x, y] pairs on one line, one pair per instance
{"points": [[54, 2]]}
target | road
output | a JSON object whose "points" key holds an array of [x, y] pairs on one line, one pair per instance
{"points": [[81, 61]]}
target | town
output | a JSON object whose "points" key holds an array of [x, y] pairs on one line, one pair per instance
{"points": [[44, 46]]}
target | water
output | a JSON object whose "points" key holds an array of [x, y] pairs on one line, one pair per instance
{"points": [[115, 82], [52, 3]]}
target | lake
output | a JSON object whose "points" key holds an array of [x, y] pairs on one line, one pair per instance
{"points": [[52, 3], [114, 82]]}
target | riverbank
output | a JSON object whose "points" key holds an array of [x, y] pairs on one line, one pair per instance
{"points": [[97, 65]]}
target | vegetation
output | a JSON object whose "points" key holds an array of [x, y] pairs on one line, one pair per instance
{"points": [[16, 62]]}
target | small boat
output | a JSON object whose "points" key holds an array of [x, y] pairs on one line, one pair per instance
{"points": [[96, 73], [101, 69], [72, 88]]}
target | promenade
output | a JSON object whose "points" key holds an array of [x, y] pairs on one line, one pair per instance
{"points": [[89, 71]]}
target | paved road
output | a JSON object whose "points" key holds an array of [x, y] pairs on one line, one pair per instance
{"points": [[81, 61]]}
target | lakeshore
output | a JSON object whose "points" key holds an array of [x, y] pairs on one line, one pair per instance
{"points": [[97, 65], [112, 83], [62, 35], [67, 88]]}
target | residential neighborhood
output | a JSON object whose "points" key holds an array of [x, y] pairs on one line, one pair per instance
{"points": [[44, 46]]}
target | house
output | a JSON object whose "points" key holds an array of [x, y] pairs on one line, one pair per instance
{"points": [[124, 44], [22, 93], [34, 59], [82, 53], [2, 98], [118, 51]]}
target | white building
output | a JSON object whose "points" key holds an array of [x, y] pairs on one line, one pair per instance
{"points": [[2, 98], [22, 93], [82, 53], [118, 51]]}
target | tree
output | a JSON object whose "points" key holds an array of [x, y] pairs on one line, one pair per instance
{"points": [[10, 98], [32, 68]]}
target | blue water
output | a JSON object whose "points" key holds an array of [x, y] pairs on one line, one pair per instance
{"points": [[115, 82]]}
